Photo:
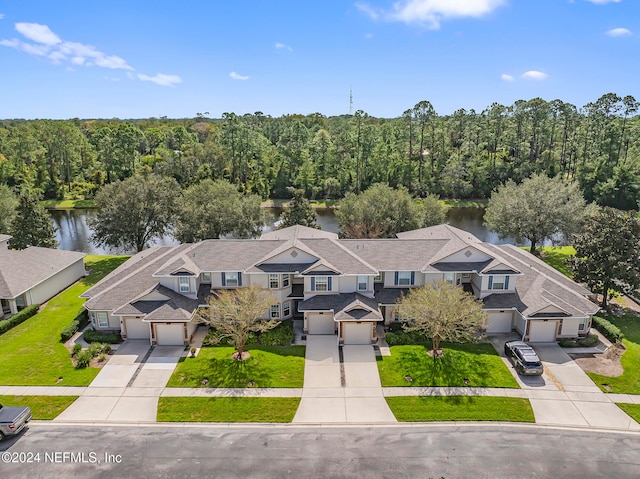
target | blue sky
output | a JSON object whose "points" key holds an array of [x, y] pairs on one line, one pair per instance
{"points": [[136, 59]]}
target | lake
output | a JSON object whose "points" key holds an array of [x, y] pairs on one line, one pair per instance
{"points": [[74, 234]]}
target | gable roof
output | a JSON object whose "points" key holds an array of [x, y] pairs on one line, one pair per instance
{"points": [[296, 232], [21, 270]]}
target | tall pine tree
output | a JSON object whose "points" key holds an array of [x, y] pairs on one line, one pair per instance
{"points": [[299, 212], [31, 225]]}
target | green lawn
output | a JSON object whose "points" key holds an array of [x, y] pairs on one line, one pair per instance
{"points": [[460, 408], [32, 354], [42, 407], [235, 409], [461, 365], [629, 381], [268, 367], [632, 410], [68, 204], [555, 256]]}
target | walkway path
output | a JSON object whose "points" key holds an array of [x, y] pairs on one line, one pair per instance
{"points": [[341, 390]]}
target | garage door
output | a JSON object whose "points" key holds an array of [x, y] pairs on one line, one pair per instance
{"points": [[542, 331], [499, 322], [136, 329], [357, 333], [319, 323], [169, 334]]}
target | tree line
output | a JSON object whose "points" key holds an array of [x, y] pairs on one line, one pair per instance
{"points": [[467, 154]]}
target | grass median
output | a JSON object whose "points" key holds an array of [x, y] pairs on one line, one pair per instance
{"points": [[462, 365], [267, 367], [460, 408], [234, 409], [32, 354], [42, 407]]}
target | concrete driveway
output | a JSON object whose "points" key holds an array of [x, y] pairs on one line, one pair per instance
{"points": [[128, 386], [341, 391]]}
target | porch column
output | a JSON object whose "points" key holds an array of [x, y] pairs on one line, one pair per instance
{"points": [[13, 307]]}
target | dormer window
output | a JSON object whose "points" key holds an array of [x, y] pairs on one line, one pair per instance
{"points": [[185, 287], [499, 281]]}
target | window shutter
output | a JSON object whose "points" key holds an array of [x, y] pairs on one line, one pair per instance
{"points": [[395, 279], [329, 283], [224, 279], [313, 283], [413, 277], [239, 278], [506, 282], [490, 282]]}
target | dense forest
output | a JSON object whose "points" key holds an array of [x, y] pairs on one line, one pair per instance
{"points": [[463, 155]]}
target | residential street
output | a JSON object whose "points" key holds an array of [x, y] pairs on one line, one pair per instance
{"points": [[449, 451]]}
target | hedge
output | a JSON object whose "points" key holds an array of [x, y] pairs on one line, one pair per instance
{"points": [[608, 329], [403, 337], [91, 336], [20, 317], [79, 322]]}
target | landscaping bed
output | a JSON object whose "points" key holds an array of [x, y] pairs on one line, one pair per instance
{"points": [[267, 367], [460, 408], [32, 354], [42, 407], [464, 365], [234, 409]]}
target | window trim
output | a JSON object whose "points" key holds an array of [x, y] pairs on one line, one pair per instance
{"points": [[205, 277], [286, 280], [400, 278], [366, 283], [106, 319], [272, 277], [504, 284], [235, 281], [324, 281], [286, 309], [181, 284], [274, 308], [582, 325]]}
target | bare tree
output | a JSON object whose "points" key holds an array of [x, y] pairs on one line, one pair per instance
{"points": [[443, 312], [235, 313]]}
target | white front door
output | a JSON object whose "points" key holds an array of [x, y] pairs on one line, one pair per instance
{"points": [[541, 331], [171, 334], [357, 332]]}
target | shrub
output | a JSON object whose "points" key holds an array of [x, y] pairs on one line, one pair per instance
{"points": [[106, 348], [403, 337], [395, 327], [83, 359], [590, 340], [91, 336], [608, 329], [79, 322], [94, 349], [281, 335], [76, 349], [20, 317], [102, 357]]}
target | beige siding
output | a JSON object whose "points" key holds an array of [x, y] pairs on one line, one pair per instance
{"points": [[56, 283], [570, 327], [287, 258], [519, 322], [461, 256]]}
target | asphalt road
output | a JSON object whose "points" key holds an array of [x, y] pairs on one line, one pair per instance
{"points": [[468, 451]]}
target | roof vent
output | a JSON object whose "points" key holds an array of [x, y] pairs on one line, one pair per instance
{"points": [[467, 253], [294, 253]]}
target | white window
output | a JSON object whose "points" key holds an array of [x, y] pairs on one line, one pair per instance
{"points": [[362, 283], [286, 309], [205, 278], [103, 321], [285, 280], [378, 277], [274, 282], [498, 281], [184, 284], [321, 283], [275, 311], [449, 277], [404, 278], [582, 326], [231, 279]]}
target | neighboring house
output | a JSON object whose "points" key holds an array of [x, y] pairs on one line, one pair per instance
{"points": [[342, 287], [34, 275]]}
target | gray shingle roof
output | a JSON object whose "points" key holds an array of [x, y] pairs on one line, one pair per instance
{"points": [[395, 254], [296, 232], [21, 270], [339, 256], [346, 306]]}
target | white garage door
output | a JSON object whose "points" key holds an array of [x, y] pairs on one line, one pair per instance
{"points": [[499, 322], [319, 323], [356, 332], [136, 329], [169, 334], [542, 331]]}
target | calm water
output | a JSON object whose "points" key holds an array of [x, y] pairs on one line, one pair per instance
{"points": [[74, 234]]}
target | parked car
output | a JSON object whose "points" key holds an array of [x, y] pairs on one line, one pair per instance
{"points": [[524, 358], [13, 419]]}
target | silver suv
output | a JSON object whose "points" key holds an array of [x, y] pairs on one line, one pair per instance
{"points": [[524, 358]]}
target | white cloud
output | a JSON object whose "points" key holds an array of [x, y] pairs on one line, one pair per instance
{"points": [[162, 79], [1, 16], [38, 33], [535, 75], [603, 2], [282, 46], [432, 12], [506, 77], [237, 76], [619, 32], [48, 44], [368, 36]]}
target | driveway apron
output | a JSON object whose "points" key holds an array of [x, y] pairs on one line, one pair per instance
{"points": [[341, 387], [128, 386]]}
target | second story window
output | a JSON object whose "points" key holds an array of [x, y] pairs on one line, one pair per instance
{"points": [[231, 279], [285, 280], [320, 283], [184, 284], [499, 281], [274, 282], [362, 283], [205, 278], [404, 278]]}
